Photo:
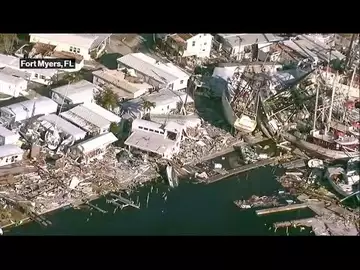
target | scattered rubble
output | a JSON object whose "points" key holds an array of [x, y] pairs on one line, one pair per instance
{"points": [[60, 181], [203, 141], [256, 201]]}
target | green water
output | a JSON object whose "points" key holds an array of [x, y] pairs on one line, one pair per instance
{"points": [[190, 209]]}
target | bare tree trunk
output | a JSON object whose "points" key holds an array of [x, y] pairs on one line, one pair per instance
{"points": [[8, 41]]}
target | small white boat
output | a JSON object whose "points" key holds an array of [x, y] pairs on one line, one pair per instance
{"points": [[171, 176], [315, 163]]}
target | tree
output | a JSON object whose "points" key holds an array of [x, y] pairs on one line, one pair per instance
{"points": [[115, 129], [107, 99], [72, 77], [8, 41], [146, 106]]}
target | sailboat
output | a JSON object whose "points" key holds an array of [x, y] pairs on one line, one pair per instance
{"points": [[332, 144]]}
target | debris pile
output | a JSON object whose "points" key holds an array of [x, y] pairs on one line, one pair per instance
{"points": [[256, 201], [203, 141], [60, 181]]}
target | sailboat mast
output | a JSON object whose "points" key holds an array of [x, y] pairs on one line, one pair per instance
{"points": [[316, 106], [332, 102], [348, 92]]}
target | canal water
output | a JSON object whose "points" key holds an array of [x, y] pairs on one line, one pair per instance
{"points": [[190, 209]]}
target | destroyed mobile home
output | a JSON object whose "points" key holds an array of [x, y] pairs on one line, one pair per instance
{"points": [[72, 154]]}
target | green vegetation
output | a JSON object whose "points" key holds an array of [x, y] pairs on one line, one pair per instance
{"points": [[146, 106], [115, 129], [107, 99]]}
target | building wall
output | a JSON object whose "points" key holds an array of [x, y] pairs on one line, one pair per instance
{"points": [[13, 89], [62, 46], [38, 78], [199, 46], [11, 139], [179, 84], [164, 109], [10, 160]]}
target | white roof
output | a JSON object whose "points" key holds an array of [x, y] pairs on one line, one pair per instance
{"points": [[102, 112], [117, 78], [10, 79], [159, 71], [78, 40], [10, 150], [78, 92], [14, 62], [174, 127], [97, 142], [23, 110], [249, 39], [4, 132], [63, 125], [149, 141], [85, 118]]}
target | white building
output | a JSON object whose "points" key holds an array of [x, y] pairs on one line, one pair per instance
{"points": [[51, 120], [154, 72], [11, 85], [165, 101], [27, 109], [87, 45], [79, 92], [86, 119], [10, 154], [94, 147], [124, 86], [7, 136], [154, 138], [198, 45], [239, 45], [113, 118], [12, 64]]}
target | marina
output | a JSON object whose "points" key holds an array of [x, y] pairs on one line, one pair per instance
{"points": [[248, 111]]}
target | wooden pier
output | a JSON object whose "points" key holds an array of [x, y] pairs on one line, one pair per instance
{"points": [[243, 168], [281, 209], [96, 207], [308, 222], [125, 201]]}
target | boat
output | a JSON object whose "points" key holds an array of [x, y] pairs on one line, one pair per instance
{"points": [[355, 129], [171, 176], [315, 163], [345, 181], [240, 102]]}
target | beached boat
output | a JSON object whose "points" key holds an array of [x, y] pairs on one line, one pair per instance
{"points": [[345, 181], [240, 102]]}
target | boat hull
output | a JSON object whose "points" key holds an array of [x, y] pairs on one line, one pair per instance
{"points": [[244, 123], [338, 189], [321, 151]]}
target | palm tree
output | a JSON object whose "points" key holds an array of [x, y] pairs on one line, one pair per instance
{"points": [[107, 99], [146, 106]]}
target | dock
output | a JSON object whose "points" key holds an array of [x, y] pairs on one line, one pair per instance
{"points": [[243, 168], [308, 222], [281, 209], [125, 201]]}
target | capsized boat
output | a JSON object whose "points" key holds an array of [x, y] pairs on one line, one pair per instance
{"points": [[345, 181]]}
